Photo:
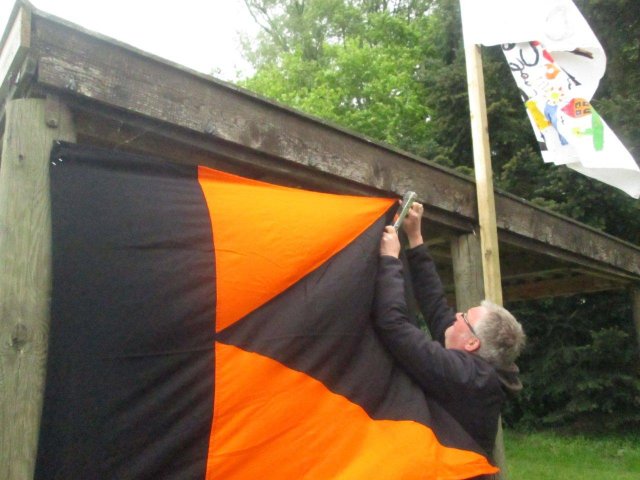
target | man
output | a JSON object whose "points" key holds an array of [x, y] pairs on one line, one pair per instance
{"points": [[469, 366]]}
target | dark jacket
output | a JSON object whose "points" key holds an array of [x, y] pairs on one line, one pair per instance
{"points": [[465, 385]]}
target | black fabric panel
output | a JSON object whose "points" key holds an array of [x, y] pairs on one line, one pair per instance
{"points": [[129, 387], [321, 326]]}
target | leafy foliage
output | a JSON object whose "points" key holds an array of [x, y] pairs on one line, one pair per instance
{"points": [[358, 69], [394, 70], [581, 367]]}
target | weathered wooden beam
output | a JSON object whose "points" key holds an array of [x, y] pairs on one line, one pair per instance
{"points": [[560, 287], [32, 125], [114, 130], [600, 252], [555, 230]]}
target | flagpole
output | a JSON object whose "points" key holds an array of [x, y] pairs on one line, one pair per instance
{"points": [[486, 203], [483, 173]]}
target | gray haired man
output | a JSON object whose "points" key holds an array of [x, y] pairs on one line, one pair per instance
{"points": [[469, 366]]}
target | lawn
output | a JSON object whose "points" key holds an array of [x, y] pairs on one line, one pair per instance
{"points": [[551, 456]]}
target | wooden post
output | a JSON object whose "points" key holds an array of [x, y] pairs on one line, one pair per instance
{"points": [[466, 254], [467, 271], [31, 126]]}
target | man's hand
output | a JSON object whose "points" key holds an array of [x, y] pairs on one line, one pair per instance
{"points": [[390, 243], [411, 225]]}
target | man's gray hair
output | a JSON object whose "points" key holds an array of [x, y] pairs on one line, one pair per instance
{"points": [[501, 335]]}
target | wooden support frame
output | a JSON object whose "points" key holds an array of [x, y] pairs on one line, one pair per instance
{"points": [[31, 127]]}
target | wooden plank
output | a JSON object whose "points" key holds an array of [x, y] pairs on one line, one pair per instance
{"points": [[559, 287], [25, 277], [555, 230], [524, 277], [113, 131]]}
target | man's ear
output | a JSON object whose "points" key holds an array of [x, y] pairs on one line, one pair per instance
{"points": [[472, 344]]}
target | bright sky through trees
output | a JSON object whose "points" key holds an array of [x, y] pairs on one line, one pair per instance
{"points": [[199, 34]]}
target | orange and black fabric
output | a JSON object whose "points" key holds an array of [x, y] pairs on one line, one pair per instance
{"points": [[209, 326]]}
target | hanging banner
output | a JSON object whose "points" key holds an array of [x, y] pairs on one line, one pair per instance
{"points": [[557, 63]]}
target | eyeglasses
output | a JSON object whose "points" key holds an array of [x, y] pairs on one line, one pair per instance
{"points": [[466, 320]]}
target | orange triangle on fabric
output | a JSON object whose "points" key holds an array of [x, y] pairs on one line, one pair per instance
{"points": [[267, 237], [271, 422]]}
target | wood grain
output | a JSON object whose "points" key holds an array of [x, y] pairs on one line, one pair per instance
{"points": [[25, 276]]}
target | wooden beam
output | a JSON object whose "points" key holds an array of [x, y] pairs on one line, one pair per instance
{"points": [[560, 287], [32, 125], [572, 257], [561, 237], [109, 129]]}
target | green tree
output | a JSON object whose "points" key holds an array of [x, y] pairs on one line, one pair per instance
{"points": [[354, 63]]}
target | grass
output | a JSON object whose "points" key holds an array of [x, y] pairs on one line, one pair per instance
{"points": [[552, 456]]}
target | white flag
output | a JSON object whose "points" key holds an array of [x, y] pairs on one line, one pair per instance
{"points": [[557, 63]]}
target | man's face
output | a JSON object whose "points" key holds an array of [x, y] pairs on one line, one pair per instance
{"points": [[458, 335]]}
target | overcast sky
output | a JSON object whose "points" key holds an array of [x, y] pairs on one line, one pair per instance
{"points": [[199, 34]]}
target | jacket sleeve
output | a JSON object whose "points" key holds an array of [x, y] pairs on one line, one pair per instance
{"points": [[439, 371], [429, 292]]}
